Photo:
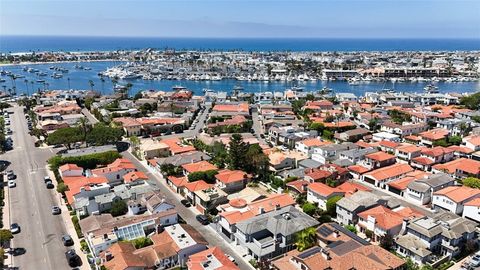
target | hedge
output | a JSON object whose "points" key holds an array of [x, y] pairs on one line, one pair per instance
{"points": [[86, 161], [78, 229]]}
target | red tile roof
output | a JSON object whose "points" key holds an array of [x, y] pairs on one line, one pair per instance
{"points": [[195, 261], [69, 167], [351, 187], [229, 176], [467, 165], [458, 194], [394, 170], [324, 190], [384, 217], [200, 166], [198, 185], [242, 107], [134, 176], [74, 184], [380, 156]]}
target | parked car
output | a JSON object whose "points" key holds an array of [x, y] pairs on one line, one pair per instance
{"points": [[15, 228], [56, 210], [47, 179], [186, 203], [202, 219], [49, 184], [11, 175], [475, 261], [72, 258], [67, 240], [11, 183], [17, 251]]}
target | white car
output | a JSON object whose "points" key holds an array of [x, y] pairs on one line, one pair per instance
{"points": [[12, 184]]}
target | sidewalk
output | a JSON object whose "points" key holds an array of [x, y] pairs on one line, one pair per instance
{"points": [[8, 261], [67, 220]]}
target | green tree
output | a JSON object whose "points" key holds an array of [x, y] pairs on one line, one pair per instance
{"points": [[4, 105], [88, 102], [61, 188], [310, 97], [472, 182], [319, 127], [410, 265], [207, 176], [351, 228], [119, 208], [329, 118], [135, 143], [399, 117], [387, 241], [142, 242], [327, 134], [66, 136], [455, 140], [237, 152], [84, 127], [138, 95], [309, 208], [472, 102], [102, 134], [441, 142], [170, 169], [373, 124], [306, 238], [332, 205], [5, 236]]}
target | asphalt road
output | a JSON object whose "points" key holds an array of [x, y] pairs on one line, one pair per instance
{"points": [[213, 239], [31, 202]]}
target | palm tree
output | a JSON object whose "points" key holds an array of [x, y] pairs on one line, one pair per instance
{"points": [[305, 238], [68, 80], [85, 127]]}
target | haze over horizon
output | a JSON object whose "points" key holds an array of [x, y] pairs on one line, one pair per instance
{"points": [[243, 19]]}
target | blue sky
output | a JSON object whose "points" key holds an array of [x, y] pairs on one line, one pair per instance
{"points": [[244, 18]]}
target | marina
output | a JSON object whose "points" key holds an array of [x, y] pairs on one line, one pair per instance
{"points": [[66, 76]]}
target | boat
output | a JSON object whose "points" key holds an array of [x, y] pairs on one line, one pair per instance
{"points": [[42, 74], [18, 76], [87, 68], [431, 88], [2, 80], [57, 75], [40, 81], [353, 81]]}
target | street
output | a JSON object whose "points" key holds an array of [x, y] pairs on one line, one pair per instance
{"points": [[188, 215], [30, 202]]}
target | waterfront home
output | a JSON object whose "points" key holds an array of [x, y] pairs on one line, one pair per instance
{"points": [[271, 234], [170, 248], [453, 198], [432, 239], [345, 97]]}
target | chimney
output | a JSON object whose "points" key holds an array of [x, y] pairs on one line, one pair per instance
{"points": [[277, 206], [336, 234], [403, 231], [108, 256], [304, 187], [261, 210]]}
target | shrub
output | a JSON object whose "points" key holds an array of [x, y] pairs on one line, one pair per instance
{"points": [[142, 242], [351, 228], [119, 208], [87, 161], [61, 188], [309, 208], [78, 229]]}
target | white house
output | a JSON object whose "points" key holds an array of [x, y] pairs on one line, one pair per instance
{"points": [[453, 198], [67, 170], [319, 193]]}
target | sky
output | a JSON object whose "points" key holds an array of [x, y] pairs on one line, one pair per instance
{"points": [[243, 18]]}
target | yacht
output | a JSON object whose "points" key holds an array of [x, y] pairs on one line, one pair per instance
{"points": [[57, 75], [42, 74], [353, 81], [431, 88], [40, 81]]}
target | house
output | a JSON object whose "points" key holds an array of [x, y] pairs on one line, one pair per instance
{"points": [[306, 146], [232, 181], [385, 136], [213, 257], [175, 146], [471, 210], [151, 148], [155, 202], [432, 156], [425, 239], [135, 177], [381, 177], [180, 159], [339, 249], [231, 109], [200, 166], [328, 153], [271, 234], [76, 184], [208, 199], [67, 170], [355, 156], [428, 138], [171, 248], [388, 146], [239, 209], [349, 206], [280, 161], [453, 198], [421, 191], [472, 142], [192, 187], [459, 168], [115, 171], [399, 186], [102, 231], [130, 126], [319, 193], [177, 184], [381, 221], [408, 152], [377, 160], [352, 135]]}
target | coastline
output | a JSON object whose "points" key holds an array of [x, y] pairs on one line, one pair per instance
{"points": [[57, 62]]}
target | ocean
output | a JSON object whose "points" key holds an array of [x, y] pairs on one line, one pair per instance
{"points": [[79, 79], [15, 44]]}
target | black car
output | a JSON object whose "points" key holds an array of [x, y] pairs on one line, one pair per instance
{"points": [[15, 228], [17, 251], [186, 203], [67, 240], [72, 258], [56, 210], [202, 219], [49, 184]]}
